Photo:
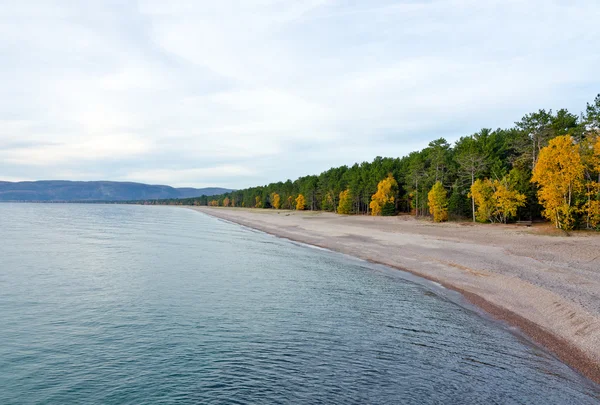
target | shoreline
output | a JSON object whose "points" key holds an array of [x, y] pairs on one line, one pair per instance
{"points": [[555, 321]]}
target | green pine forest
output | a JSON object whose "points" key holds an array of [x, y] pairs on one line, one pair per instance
{"points": [[509, 155]]}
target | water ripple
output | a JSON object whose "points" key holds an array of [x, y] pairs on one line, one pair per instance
{"points": [[144, 305]]}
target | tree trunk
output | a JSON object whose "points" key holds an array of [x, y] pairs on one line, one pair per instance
{"points": [[472, 196], [533, 153], [417, 197], [587, 221]]}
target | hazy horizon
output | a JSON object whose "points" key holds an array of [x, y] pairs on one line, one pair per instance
{"points": [[99, 181], [204, 94]]}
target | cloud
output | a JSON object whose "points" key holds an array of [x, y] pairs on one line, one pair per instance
{"points": [[244, 93], [106, 147], [188, 177]]}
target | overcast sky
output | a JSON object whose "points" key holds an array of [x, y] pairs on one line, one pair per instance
{"points": [[242, 93]]}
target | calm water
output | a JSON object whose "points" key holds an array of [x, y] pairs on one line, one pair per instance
{"points": [[130, 305]]}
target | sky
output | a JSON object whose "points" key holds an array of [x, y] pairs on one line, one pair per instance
{"points": [[243, 93]]}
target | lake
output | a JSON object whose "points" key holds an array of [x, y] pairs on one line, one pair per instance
{"points": [[116, 304]]}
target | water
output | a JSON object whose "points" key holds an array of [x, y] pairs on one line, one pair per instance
{"points": [[114, 304]]}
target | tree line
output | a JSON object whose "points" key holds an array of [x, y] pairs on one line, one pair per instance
{"points": [[546, 166]]}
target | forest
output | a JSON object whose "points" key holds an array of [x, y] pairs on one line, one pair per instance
{"points": [[547, 166]]}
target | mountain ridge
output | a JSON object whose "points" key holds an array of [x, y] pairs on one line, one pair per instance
{"points": [[68, 190]]}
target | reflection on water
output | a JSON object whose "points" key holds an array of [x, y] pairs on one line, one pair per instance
{"points": [[131, 304]]}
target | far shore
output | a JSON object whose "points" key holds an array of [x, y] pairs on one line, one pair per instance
{"points": [[545, 283]]}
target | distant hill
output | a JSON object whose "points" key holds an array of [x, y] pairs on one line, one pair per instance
{"points": [[62, 190]]}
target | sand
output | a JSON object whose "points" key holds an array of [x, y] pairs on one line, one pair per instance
{"points": [[544, 282]]}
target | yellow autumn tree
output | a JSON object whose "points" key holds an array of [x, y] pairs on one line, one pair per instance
{"points": [[226, 202], [438, 202], [496, 201], [276, 201], [328, 204], [482, 192], [592, 163], [300, 202], [507, 200], [597, 154], [592, 208], [382, 202], [290, 202], [345, 205], [559, 174], [258, 202]]}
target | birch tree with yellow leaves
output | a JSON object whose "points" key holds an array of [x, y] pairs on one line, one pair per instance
{"points": [[591, 158], [300, 202], [438, 202], [507, 200], [345, 205], [597, 157], [482, 193], [276, 201], [594, 209], [559, 173], [496, 201], [382, 202]]}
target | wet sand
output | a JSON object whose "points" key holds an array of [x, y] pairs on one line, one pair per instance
{"points": [[545, 283]]}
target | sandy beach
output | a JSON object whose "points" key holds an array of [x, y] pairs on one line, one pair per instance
{"points": [[546, 284]]}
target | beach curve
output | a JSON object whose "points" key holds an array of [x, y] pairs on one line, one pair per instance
{"points": [[547, 286]]}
